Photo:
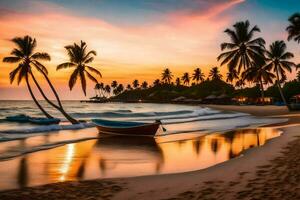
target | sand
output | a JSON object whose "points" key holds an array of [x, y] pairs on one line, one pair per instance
{"points": [[268, 172]]}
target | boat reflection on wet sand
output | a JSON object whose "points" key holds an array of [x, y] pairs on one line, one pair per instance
{"points": [[109, 157]]}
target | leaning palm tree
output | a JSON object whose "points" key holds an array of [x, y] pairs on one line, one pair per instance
{"points": [[277, 59], [167, 76], [198, 76], [80, 59], [214, 73], [260, 75], [135, 84], [244, 49], [28, 60], [186, 78], [294, 28]]}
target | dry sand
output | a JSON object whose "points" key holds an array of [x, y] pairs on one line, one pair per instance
{"points": [[268, 172]]}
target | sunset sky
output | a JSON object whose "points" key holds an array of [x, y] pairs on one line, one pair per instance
{"points": [[134, 39]]}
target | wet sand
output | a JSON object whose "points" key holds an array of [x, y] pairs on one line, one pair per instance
{"points": [[268, 172]]}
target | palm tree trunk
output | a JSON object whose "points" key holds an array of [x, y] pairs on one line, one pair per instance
{"points": [[280, 90], [59, 108], [262, 92], [35, 101]]}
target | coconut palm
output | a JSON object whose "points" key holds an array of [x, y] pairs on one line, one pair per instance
{"points": [[167, 76], [107, 89], [198, 76], [178, 81], [214, 73], [97, 89], [156, 82], [231, 76], [28, 60], [294, 28], [128, 87], [144, 85], [259, 74], [135, 84], [277, 58], [244, 49], [114, 84], [80, 59], [186, 78]]}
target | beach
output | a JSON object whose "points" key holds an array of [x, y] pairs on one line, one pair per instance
{"points": [[266, 172]]}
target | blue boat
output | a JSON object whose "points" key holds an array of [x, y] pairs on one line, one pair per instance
{"points": [[127, 128]]}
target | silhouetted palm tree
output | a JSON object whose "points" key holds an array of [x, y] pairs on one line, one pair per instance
{"points": [[114, 84], [243, 50], [97, 89], [156, 82], [135, 84], [145, 85], [186, 78], [198, 76], [128, 87], [80, 60], [178, 82], [259, 74], [298, 76], [107, 89], [167, 76], [25, 56], [277, 59], [214, 73], [294, 28], [28, 60], [120, 88], [231, 76]]}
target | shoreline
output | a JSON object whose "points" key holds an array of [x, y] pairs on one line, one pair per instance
{"points": [[212, 182]]}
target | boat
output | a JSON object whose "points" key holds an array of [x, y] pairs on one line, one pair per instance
{"points": [[43, 121], [18, 118], [127, 128]]}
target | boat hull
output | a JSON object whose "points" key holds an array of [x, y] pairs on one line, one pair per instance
{"points": [[144, 130]]}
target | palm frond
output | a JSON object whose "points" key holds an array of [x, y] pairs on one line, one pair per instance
{"points": [[12, 59], [83, 81], [94, 70], [39, 66], [65, 65], [41, 56], [91, 77], [12, 74], [73, 78]]}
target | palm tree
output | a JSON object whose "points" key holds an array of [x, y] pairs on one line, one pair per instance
{"points": [[156, 82], [114, 84], [186, 78], [214, 73], [135, 84], [80, 60], [231, 76], [144, 85], [120, 88], [198, 76], [28, 60], [294, 28], [259, 74], [97, 89], [167, 76], [107, 89], [128, 87], [298, 76], [243, 50], [277, 59], [178, 82]]}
